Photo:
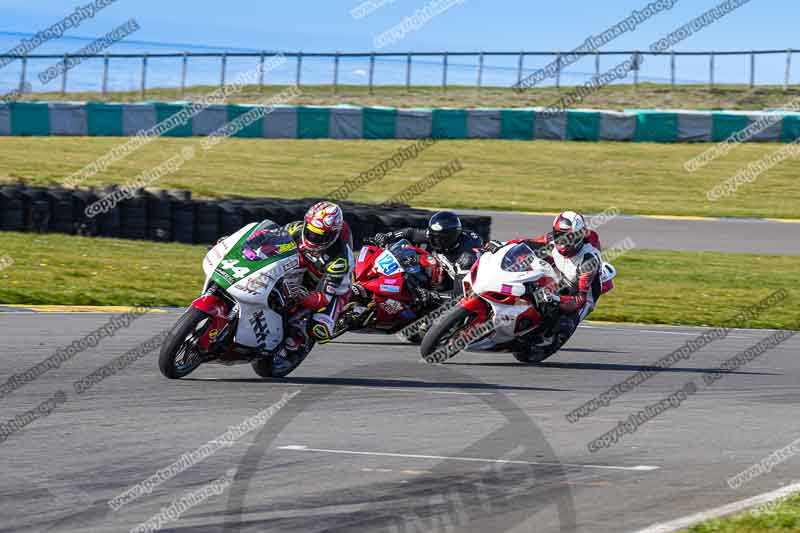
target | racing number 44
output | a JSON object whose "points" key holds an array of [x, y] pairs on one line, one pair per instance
{"points": [[238, 271]]}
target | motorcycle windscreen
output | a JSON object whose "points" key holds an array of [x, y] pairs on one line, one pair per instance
{"points": [[266, 241], [520, 258], [366, 259]]}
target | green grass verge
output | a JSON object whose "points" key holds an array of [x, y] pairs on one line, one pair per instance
{"points": [[623, 96], [652, 287], [782, 516], [637, 178]]}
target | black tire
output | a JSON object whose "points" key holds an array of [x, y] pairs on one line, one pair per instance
{"points": [[537, 354], [183, 221], [12, 213], [186, 331], [442, 332], [265, 367], [534, 356], [262, 367], [415, 338]]}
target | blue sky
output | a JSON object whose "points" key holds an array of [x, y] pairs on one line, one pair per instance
{"points": [[475, 24], [508, 25]]}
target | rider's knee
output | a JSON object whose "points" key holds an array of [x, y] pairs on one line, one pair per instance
{"points": [[322, 328]]}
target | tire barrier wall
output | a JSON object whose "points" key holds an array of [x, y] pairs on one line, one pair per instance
{"points": [[348, 122], [173, 215]]}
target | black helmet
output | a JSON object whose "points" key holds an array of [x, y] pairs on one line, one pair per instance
{"points": [[444, 229]]}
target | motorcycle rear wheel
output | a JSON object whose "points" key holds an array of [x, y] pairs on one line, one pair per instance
{"points": [[265, 367], [537, 354], [533, 357]]}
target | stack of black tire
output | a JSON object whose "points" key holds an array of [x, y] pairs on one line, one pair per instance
{"points": [[174, 216]]}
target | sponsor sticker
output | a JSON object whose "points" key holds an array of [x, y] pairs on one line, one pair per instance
{"points": [[390, 288], [224, 275], [259, 323]]}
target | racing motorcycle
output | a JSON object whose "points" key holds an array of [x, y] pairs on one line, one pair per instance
{"points": [[245, 310], [382, 300], [510, 305]]}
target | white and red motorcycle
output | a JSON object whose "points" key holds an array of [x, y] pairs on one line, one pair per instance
{"points": [[510, 306]]}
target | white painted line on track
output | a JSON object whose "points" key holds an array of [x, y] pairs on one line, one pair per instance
{"points": [[302, 448], [717, 512]]}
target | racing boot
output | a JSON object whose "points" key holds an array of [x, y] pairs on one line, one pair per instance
{"points": [[296, 347]]}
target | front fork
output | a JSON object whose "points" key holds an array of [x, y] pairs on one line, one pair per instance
{"points": [[476, 305], [222, 317], [480, 309]]}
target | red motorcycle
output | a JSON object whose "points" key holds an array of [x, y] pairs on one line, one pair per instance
{"points": [[382, 301]]}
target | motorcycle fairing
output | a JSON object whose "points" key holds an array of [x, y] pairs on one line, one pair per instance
{"points": [[251, 281], [491, 277]]}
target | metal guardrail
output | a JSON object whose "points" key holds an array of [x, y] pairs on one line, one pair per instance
{"points": [[337, 56]]}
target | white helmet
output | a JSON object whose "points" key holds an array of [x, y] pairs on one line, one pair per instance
{"points": [[569, 232]]}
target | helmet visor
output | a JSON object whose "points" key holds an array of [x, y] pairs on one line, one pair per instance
{"points": [[567, 241], [317, 238], [445, 239]]}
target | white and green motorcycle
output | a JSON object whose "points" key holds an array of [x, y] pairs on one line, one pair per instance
{"points": [[245, 309]]}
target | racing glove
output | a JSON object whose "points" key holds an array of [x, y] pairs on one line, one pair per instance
{"points": [[293, 292], [549, 297], [425, 298], [360, 292], [492, 246], [379, 239]]}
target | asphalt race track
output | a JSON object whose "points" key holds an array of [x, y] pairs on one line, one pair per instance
{"points": [[762, 236], [375, 440]]}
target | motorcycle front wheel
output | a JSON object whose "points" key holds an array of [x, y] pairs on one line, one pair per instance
{"points": [[440, 342], [179, 355]]}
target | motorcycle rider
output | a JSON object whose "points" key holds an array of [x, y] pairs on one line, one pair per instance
{"points": [[574, 251], [445, 236], [325, 247]]}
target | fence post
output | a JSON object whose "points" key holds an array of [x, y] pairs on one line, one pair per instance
{"points": [[261, 72], [558, 70], [480, 70], [184, 70], [299, 68], [519, 68], [223, 68], [23, 74], [672, 69], [64, 76], [444, 72], [104, 86], [143, 88], [636, 63], [371, 70], [786, 78], [336, 73], [711, 71], [408, 72], [596, 64], [752, 69]]}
